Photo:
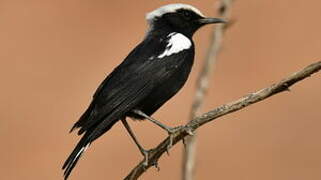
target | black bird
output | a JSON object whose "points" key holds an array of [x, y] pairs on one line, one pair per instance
{"points": [[149, 76]]}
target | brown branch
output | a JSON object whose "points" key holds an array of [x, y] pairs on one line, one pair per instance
{"points": [[189, 153], [225, 109]]}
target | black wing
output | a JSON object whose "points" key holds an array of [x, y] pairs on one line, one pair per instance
{"points": [[121, 91]]}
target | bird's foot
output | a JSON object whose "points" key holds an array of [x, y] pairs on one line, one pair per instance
{"points": [[173, 131], [190, 132], [146, 159], [171, 134]]}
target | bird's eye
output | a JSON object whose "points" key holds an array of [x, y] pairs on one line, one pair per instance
{"points": [[186, 14]]}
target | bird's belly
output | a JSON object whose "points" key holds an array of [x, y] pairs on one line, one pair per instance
{"points": [[164, 91]]}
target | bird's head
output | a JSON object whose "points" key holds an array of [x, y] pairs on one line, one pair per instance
{"points": [[181, 18]]}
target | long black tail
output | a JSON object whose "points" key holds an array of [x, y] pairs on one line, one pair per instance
{"points": [[91, 135], [73, 158]]}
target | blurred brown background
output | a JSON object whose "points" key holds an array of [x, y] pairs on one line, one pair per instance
{"points": [[54, 53]]}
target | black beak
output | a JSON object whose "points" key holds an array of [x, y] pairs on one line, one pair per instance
{"points": [[204, 21]]}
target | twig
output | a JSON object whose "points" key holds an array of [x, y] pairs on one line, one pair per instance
{"points": [[189, 155], [225, 109]]}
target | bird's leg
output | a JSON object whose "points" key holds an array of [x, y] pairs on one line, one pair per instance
{"points": [[163, 126], [141, 149], [171, 131]]}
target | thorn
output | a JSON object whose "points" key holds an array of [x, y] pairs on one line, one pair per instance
{"points": [[184, 142], [167, 152]]}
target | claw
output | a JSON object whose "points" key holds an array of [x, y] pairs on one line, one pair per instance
{"points": [[170, 144], [189, 131]]}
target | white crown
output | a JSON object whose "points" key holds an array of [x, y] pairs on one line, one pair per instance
{"points": [[170, 8]]}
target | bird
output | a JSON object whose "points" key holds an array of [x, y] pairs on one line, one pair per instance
{"points": [[152, 73]]}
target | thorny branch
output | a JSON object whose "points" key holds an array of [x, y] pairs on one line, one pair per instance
{"points": [[225, 109], [188, 163]]}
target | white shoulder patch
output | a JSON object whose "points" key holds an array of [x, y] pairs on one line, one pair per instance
{"points": [[170, 8], [177, 42]]}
